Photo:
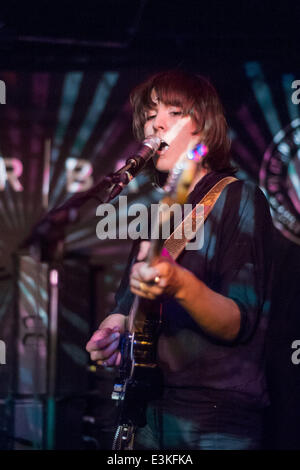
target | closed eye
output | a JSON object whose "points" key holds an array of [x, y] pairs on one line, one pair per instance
{"points": [[176, 113], [151, 116]]}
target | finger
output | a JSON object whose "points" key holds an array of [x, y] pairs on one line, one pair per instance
{"points": [[144, 272], [98, 342], [164, 268], [109, 350], [95, 344], [135, 283], [146, 295], [104, 342], [143, 251], [111, 361], [114, 360], [98, 335], [135, 270], [141, 286], [118, 360], [106, 353], [149, 273], [91, 345], [97, 356], [116, 328]]}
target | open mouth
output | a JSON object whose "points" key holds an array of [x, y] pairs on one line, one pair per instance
{"points": [[162, 148]]}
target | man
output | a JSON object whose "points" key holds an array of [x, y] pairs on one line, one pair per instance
{"points": [[214, 300]]}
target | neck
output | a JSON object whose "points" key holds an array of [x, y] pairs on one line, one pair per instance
{"points": [[202, 172]]}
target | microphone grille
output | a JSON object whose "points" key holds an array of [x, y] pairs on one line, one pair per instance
{"points": [[153, 141]]}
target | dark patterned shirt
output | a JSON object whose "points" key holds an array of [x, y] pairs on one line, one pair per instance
{"points": [[235, 261]]}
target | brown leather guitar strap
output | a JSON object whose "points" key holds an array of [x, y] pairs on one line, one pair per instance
{"points": [[186, 230]]}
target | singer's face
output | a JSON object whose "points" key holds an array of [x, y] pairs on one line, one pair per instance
{"points": [[169, 123]]}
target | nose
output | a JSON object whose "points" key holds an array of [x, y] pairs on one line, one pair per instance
{"points": [[159, 122]]}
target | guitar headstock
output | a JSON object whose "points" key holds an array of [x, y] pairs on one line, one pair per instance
{"points": [[176, 191], [183, 174]]}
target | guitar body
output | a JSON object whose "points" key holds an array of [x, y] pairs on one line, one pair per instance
{"points": [[140, 380]]}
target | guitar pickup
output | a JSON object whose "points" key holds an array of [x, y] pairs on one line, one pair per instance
{"points": [[142, 342], [116, 396], [117, 392], [146, 364]]}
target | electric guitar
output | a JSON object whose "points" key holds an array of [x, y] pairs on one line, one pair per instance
{"points": [[139, 378]]}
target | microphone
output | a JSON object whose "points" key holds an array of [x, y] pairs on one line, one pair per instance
{"points": [[148, 148], [136, 163]]}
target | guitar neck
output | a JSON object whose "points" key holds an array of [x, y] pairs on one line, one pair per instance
{"points": [[176, 192]]}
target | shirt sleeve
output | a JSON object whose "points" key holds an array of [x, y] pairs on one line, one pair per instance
{"points": [[244, 256]]}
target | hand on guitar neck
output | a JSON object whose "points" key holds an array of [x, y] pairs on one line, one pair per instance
{"points": [[218, 315], [163, 276]]}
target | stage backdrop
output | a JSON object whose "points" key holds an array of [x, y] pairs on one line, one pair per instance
{"points": [[62, 132]]}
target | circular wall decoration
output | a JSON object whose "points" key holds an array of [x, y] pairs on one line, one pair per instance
{"points": [[280, 180]]}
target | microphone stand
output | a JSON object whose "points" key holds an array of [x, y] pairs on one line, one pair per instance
{"points": [[46, 242]]}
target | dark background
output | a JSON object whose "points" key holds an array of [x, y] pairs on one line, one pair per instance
{"points": [[250, 51]]}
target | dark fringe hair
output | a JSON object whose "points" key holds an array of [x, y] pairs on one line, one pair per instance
{"points": [[198, 98]]}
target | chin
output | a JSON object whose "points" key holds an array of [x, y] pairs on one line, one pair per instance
{"points": [[163, 164]]}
